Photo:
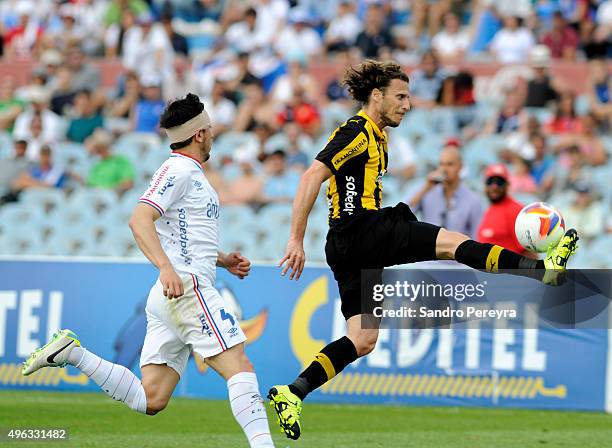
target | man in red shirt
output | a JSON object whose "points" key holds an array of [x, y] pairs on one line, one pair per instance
{"points": [[497, 225], [562, 39]]}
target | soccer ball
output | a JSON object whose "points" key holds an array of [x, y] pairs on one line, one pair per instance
{"points": [[538, 226]]}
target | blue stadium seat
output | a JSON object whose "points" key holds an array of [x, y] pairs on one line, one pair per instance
{"points": [[96, 199], [244, 242], [23, 239], [47, 199], [229, 142], [6, 145]]}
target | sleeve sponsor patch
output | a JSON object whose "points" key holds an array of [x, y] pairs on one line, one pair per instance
{"points": [[358, 146]]}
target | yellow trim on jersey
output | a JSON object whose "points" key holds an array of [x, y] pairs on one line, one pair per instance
{"points": [[332, 190], [327, 365], [378, 132], [359, 145], [493, 258], [368, 201]]}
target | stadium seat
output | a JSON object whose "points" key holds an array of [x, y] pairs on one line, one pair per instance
{"points": [[6, 145], [229, 142], [244, 242], [96, 199], [23, 239], [47, 199]]}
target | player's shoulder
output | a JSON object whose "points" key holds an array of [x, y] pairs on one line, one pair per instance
{"points": [[350, 129]]}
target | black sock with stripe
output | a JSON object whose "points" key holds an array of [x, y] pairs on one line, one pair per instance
{"points": [[491, 258], [329, 362]]}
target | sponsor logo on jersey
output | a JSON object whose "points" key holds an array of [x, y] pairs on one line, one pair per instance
{"points": [[233, 332], [183, 235], [349, 198], [212, 209], [355, 148], [205, 327], [198, 185], [157, 182], [169, 183]]}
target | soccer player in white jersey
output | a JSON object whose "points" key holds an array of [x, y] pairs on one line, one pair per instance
{"points": [[176, 226]]}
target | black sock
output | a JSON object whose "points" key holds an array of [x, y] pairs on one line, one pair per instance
{"points": [[329, 362], [491, 258]]}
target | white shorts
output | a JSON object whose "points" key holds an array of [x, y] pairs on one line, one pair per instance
{"points": [[199, 320]]}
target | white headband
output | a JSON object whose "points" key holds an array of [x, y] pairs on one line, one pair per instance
{"points": [[189, 128]]}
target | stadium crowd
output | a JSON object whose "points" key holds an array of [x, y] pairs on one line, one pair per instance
{"points": [[461, 154]]}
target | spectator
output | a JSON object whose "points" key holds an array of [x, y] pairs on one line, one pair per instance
{"points": [[296, 77], [521, 180], [114, 172], [280, 184], [497, 226], [114, 36], [375, 37], [427, 14], [298, 38], [303, 112], [86, 118], [178, 41], [512, 43], [510, 118], [63, 92], [126, 97], [585, 212], [562, 39], [146, 47], [23, 38], [594, 40], [222, 111], [11, 168], [588, 142], [243, 77], [117, 8], [10, 106], [565, 120], [70, 33], [255, 108], [451, 43], [542, 163], [52, 60], [426, 82], [147, 110], [540, 89], [181, 80], [246, 189], [244, 36], [85, 75], [343, 28], [445, 201], [600, 90], [271, 17], [297, 159], [45, 174], [37, 124]]}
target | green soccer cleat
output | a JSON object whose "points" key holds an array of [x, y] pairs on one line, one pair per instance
{"points": [[53, 354], [288, 408], [558, 256]]}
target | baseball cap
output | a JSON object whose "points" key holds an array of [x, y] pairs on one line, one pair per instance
{"points": [[497, 170], [539, 56], [582, 186]]}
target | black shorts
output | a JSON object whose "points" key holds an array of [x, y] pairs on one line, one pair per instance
{"points": [[375, 240]]}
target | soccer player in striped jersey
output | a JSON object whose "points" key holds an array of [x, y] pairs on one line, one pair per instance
{"points": [[176, 226]]}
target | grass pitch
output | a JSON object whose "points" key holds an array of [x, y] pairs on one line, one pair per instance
{"points": [[94, 420]]}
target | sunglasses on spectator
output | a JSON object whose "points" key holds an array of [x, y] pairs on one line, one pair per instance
{"points": [[499, 181]]}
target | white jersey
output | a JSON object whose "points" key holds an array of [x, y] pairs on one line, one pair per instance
{"points": [[189, 225]]}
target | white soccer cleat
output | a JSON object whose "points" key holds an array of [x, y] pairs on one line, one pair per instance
{"points": [[53, 354]]}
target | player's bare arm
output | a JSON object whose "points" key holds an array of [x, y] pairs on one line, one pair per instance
{"points": [[306, 195], [142, 224], [235, 263]]}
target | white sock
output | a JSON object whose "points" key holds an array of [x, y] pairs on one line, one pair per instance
{"points": [[114, 379], [248, 409]]}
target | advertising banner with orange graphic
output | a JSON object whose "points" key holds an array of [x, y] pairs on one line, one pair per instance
{"points": [[287, 323]]}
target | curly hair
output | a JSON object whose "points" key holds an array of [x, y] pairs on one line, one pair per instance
{"points": [[370, 75]]}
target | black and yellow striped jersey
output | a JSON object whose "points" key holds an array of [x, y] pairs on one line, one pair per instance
{"points": [[356, 154]]}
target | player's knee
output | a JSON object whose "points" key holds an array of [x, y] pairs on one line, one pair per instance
{"points": [[366, 343], [156, 404], [447, 243]]}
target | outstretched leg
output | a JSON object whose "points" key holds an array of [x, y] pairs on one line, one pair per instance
{"points": [[149, 396]]}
